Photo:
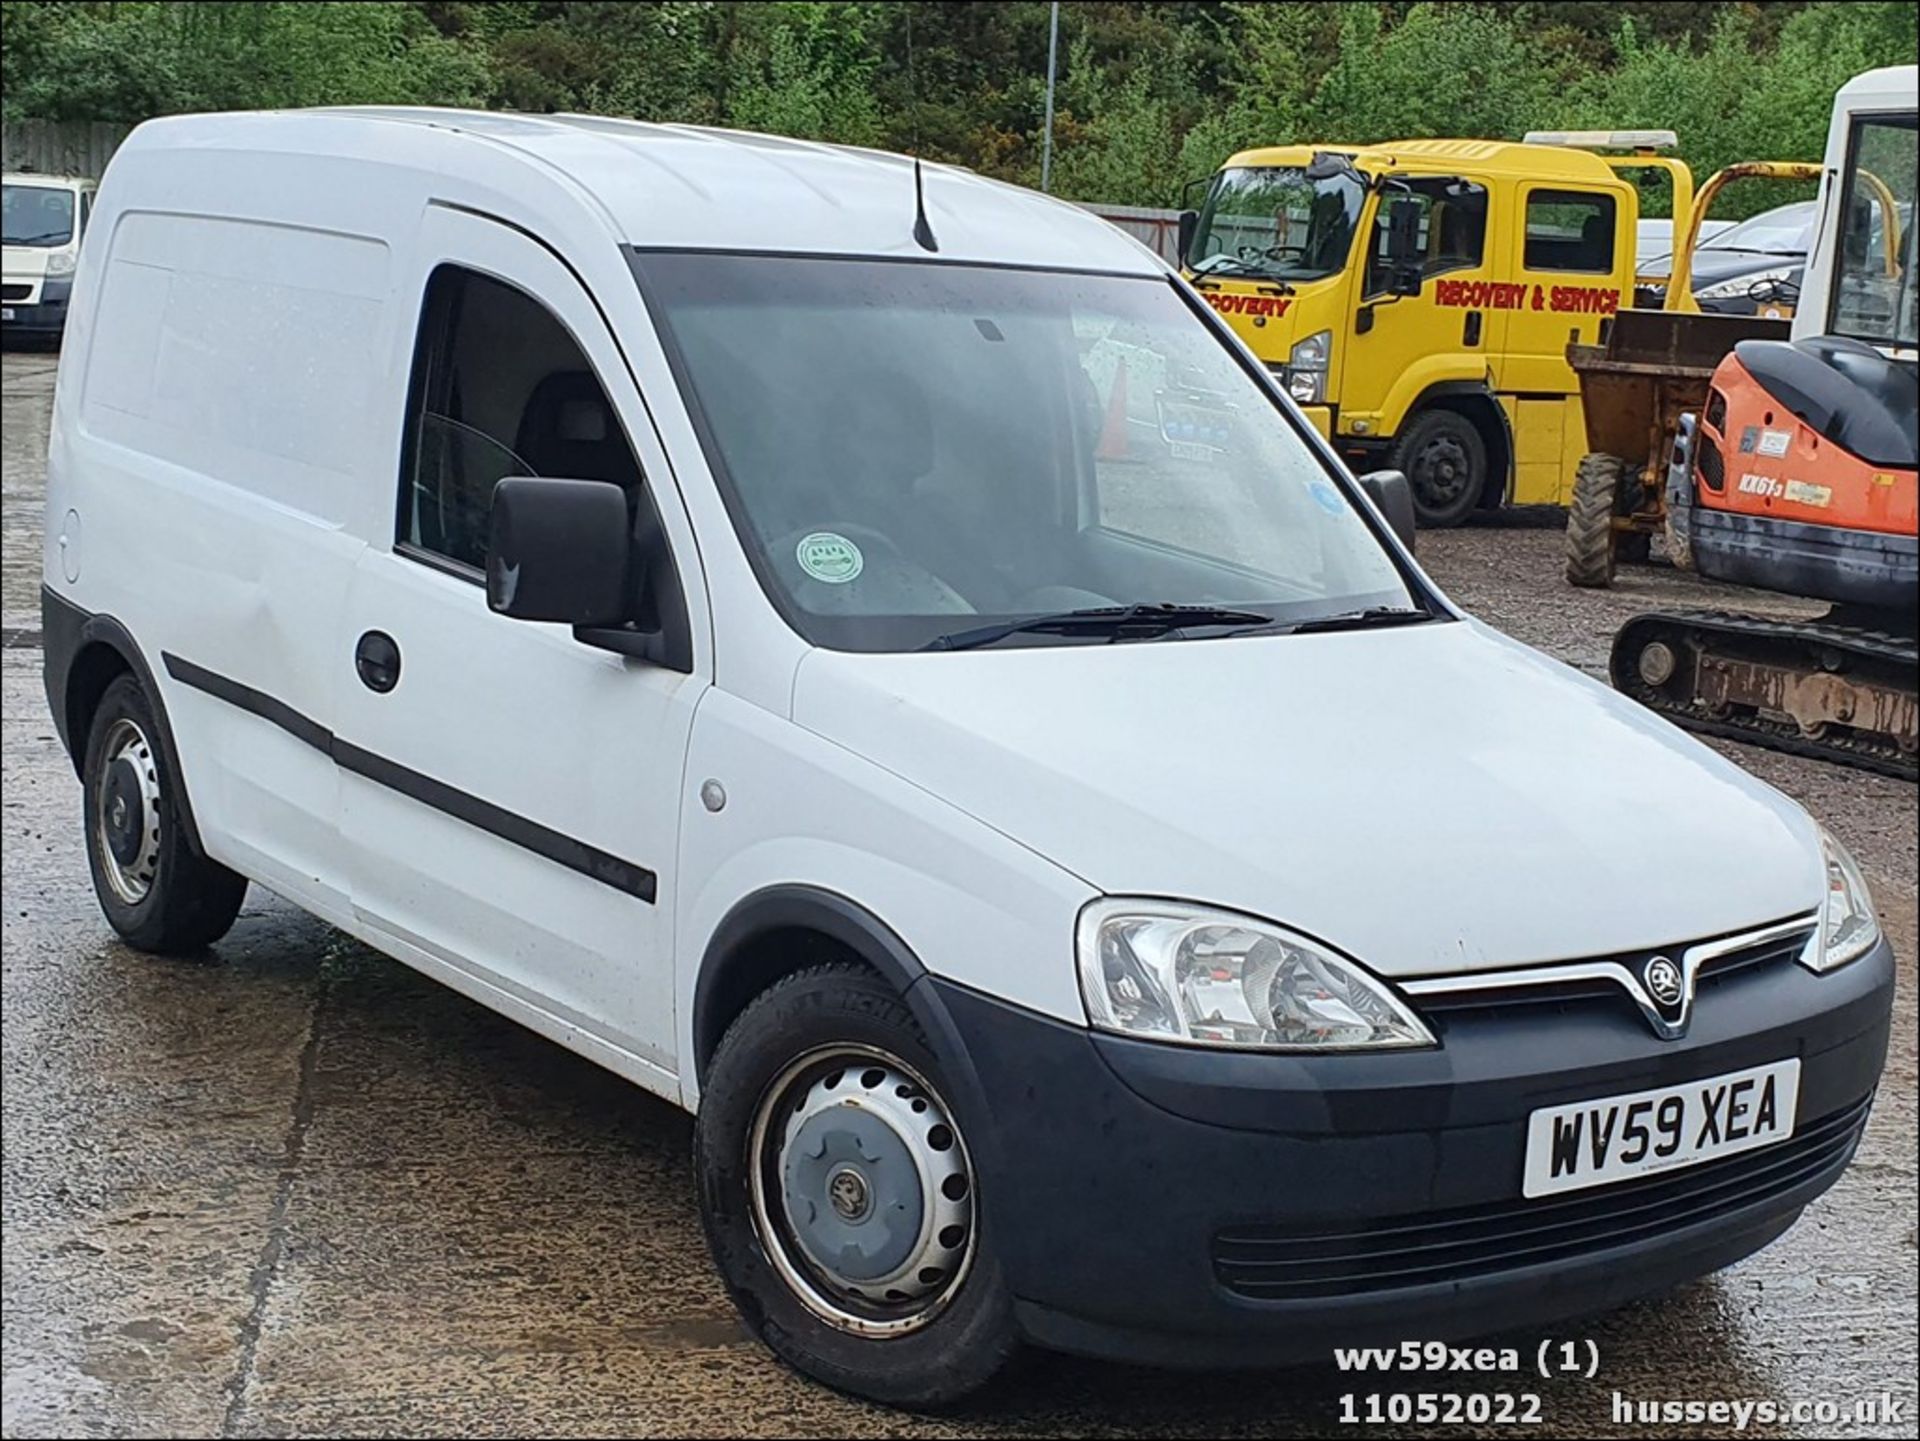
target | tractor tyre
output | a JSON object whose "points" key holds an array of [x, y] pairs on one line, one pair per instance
{"points": [[1597, 487]]}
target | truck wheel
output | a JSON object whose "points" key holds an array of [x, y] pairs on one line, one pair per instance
{"points": [[156, 891], [838, 1195], [1445, 462], [1597, 486]]}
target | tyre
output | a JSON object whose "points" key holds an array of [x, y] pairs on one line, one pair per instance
{"points": [[157, 892], [838, 1195], [1445, 462], [1598, 484]]}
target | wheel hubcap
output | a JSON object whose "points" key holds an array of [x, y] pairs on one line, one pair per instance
{"points": [[128, 813], [862, 1191]]}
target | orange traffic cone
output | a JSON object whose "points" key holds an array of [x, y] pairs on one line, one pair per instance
{"points": [[1113, 433]]}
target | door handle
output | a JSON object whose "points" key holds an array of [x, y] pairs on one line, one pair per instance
{"points": [[377, 659], [1470, 332]]}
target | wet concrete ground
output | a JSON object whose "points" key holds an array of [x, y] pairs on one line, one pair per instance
{"points": [[299, 1189]]}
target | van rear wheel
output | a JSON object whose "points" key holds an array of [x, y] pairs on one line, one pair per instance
{"points": [[156, 891], [839, 1196]]}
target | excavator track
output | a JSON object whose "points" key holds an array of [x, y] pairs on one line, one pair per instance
{"points": [[1822, 688]]}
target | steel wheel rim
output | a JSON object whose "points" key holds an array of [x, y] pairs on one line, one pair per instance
{"points": [[1441, 491], [804, 1104], [127, 812]]}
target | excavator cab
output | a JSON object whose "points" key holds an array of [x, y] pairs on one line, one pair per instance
{"points": [[1801, 474]]}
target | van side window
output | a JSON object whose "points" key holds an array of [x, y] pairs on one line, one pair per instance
{"points": [[1570, 230], [1453, 227], [499, 389]]}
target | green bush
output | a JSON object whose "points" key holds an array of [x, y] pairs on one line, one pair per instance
{"points": [[1149, 96]]}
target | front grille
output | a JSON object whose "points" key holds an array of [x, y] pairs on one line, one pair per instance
{"points": [[1467, 1003], [15, 292], [1273, 1264], [1713, 470]]}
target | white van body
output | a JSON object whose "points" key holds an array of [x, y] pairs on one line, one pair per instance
{"points": [[579, 838], [45, 222]]}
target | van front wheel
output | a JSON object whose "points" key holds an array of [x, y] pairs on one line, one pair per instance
{"points": [[840, 1198], [156, 891]]}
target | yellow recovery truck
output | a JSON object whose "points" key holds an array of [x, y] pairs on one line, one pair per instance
{"points": [[1417, 298]]}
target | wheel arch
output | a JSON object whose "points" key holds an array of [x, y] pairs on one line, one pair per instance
{"points": [[1474, 401], [84, 654], [781, 929]]}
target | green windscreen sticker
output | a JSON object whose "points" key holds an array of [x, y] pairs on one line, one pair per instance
{"points": [[830, 558]]}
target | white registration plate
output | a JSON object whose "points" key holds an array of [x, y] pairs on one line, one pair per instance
{"points": [[1615, 1138], [6, 312]]}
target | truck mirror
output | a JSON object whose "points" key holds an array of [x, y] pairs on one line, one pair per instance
{"points": [[1189, 227], [1403, 247]]}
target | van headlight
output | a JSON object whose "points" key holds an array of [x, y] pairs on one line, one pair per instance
{"points": [[1848, 928], [1167, 972], [61, 262], [1307, 368]]}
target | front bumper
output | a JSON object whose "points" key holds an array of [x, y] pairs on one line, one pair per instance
{"points": [[47, 315], [1183, 1206]]}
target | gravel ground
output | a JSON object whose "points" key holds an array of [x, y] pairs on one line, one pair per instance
{"points": [[306, 1191]]}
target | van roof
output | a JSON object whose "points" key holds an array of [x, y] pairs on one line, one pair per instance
{"points": [[1490, 157], [686, 186], [33, 177]]}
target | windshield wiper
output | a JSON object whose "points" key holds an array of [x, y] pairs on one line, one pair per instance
{"points": [[56, 237], [1372, 616], [1112, 621]]}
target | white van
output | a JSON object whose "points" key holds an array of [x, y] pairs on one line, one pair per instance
{"points": [[867, 656], [43, 219]]}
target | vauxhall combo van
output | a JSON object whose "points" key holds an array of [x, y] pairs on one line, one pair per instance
{"points": [[866, 654]]}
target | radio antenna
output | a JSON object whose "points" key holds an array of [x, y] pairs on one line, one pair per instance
{"points": [[922, 232]]}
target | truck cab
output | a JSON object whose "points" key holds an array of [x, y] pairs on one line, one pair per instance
{"points": [[1416, 299]]}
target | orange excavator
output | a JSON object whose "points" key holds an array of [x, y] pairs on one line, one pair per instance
{"points": [[1800, 476]]}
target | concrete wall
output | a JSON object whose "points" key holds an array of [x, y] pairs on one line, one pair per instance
{"points": [[61, 147]]}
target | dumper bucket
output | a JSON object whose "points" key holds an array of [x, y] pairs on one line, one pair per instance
{"points": [[1655, 364]]}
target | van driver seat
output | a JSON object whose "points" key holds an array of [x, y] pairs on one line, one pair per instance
{"points": [[569, 431]]}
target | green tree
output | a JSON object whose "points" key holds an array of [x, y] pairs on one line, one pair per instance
{"points": [[1150, 94], [808, 68]]}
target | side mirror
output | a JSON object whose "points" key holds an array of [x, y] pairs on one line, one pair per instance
{"points": [[1389, 490], [1403, 247], [558, 550], [1189, 227]]}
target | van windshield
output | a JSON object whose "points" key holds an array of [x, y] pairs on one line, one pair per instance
{"points": [[1273, 221], [910, 450], [37, 215]]}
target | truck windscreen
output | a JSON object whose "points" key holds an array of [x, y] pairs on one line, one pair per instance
{"points": [[1274, 223]]}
